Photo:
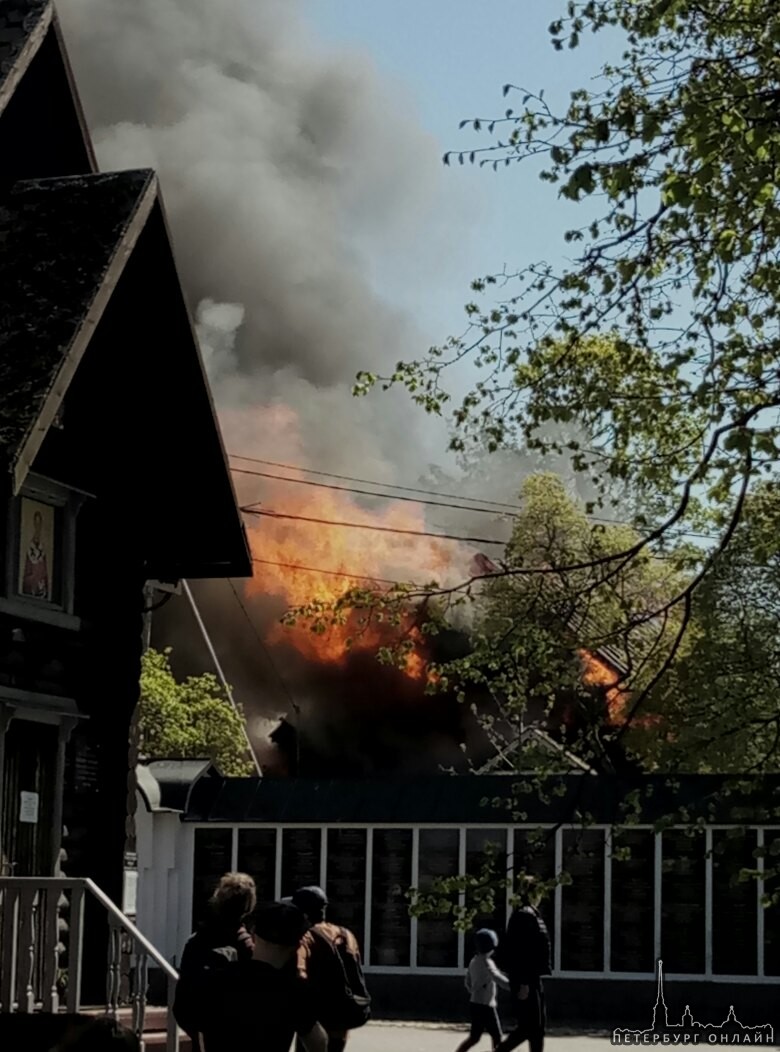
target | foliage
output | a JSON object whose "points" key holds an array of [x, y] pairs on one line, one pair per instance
{"points": [[720, 697], [192, 718], [660, 340], [660, 343]]}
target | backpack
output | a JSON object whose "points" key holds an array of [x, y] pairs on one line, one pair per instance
{"points": [[338, 974], [201, 957]]}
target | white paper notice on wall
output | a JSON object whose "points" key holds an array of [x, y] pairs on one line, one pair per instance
{"points": [[130, 893], [28, 808]]}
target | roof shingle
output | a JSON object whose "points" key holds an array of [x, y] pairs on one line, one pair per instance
{"points": [[57, 240], [18, 20]]}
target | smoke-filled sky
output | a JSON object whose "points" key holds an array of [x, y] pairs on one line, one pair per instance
{"points": [[289, 170], [317, 233], [299, 146]]}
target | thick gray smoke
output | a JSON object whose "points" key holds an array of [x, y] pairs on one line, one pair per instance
{"points": [[291, 178], [288, 174]]}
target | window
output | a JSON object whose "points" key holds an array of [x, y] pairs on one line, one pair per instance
{"points": [[347, 880], [437, 939], [486, 860], [582, 916], [212, 858], [300, 859], [257, 857], [391, 878], [632, 927], [682, 902], [734, 904]]}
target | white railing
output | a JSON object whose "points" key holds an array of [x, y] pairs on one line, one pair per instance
{"points": [[38, 972]]}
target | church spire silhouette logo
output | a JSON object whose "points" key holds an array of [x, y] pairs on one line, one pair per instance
{"points": [[690, 1031]]}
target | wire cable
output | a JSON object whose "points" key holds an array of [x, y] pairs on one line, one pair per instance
{"points": [[378, 529], [370, 493], [371, 482], [332, 573], [481, 505], [264, 648]]}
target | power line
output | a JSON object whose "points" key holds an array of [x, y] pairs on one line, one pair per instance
{"points": [[378, 529], [371, 482], [370, 493], [481, 505], [330, 573]]}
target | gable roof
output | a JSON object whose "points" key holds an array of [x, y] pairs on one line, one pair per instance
{"points": [[63, 246], [23, 26], [42, 124]]}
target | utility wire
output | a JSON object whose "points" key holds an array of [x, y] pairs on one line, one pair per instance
{"points": [[225, 685], [330, 573], [378, 529], [370, 493], [264, 648], [481, 505], [371, 482]]}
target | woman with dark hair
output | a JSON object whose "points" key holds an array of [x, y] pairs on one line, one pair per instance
{"points": [[221, 939]]}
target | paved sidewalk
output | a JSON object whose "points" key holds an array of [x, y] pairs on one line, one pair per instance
{"points": [[427, 1037]]}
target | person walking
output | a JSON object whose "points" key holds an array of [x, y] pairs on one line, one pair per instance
{"points": [[482, 981], [221, 939], [261, 1003], [329, 960], [524, 955]]}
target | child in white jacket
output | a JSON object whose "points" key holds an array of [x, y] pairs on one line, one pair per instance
{"points": [[482, 979]]}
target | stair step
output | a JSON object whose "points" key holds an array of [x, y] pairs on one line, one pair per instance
{"points": [[155, 1016], [155, 1024], [157, 1039]]}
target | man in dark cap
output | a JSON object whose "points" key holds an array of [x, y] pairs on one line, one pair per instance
{"points": [[329, 963], [262, 1003]]}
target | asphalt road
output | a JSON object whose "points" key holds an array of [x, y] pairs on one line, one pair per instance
{"points": [[421, 1037]]}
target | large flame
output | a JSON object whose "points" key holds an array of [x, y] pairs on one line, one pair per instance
{"points": [[597, 673], [309, 562]]}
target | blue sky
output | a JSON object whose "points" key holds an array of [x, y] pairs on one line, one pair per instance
{"points": [[452, 57]]}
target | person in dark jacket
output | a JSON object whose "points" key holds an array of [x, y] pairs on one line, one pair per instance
{"points": [[220, 940], [262, 1003], [524, 955]]}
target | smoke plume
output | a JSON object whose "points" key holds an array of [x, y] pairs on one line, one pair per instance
{"points": [[287, 173]]}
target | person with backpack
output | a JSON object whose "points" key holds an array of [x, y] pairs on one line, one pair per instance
{"points": [[524, 955], [482, 980], [329, 960], [261, 1003], [221, 939]]}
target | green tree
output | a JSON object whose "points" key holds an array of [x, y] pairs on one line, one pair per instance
{"points": [[719, 700], [191, 718], [660, 341]]}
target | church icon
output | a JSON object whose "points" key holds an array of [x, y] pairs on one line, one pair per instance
{"points": [[689, 1031]]}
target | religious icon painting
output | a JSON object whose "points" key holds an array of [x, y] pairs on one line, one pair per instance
{"points": [[36, 550]]}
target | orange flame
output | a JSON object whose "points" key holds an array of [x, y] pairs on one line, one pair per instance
{"points": [[313, 563], [597, 673]]}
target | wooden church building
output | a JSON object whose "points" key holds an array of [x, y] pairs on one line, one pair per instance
{"points": [[112, 468]]}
